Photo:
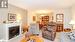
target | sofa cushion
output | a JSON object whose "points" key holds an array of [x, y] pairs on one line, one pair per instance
{"points": [[71, 35]]}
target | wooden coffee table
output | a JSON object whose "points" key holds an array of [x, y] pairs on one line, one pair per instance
{"points": [[67, 30]]}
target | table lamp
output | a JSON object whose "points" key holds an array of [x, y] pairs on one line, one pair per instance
{"points": [[72, 22]]}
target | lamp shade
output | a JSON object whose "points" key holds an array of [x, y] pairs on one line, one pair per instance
{"points": [[72, 22]]}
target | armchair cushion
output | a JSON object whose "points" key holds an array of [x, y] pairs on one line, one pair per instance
{"points": [[49, 28]]}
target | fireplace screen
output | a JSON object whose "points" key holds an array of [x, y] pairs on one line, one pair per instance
{"points": [[13, 31]]}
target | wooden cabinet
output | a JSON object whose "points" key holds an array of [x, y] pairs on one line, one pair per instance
{"points": [[59, 20], [59, 27], [45, 19]]}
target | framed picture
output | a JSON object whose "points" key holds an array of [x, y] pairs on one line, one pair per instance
{"points": [[11, 17], [34, 18], [59, 18]]}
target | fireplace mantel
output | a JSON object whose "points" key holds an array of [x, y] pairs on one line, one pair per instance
{"points": [[4, 30]]}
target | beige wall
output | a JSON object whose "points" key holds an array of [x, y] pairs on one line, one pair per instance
{"points": [[3, 14], [73, 12], [17, 10]]}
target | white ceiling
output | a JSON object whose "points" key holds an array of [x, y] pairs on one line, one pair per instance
{"points": [[42, 4]]}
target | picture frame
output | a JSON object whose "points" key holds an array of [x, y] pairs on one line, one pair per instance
{"points": [[59, 18], [11, 17], [34, 18]]}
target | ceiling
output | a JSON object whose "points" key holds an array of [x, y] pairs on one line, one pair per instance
{"points": [[42, 4]]}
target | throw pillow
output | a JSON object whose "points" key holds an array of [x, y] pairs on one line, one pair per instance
{"points": [[49, 28]]}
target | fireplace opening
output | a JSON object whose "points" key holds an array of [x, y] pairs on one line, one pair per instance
{"points": [[14, 31]]}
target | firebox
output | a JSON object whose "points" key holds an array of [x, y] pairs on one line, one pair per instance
{"points": [[14, 31]]}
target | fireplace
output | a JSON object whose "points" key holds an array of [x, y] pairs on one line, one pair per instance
{"points": [[10, 31], [14, 31]]}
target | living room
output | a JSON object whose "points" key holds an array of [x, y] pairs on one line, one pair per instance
{"points": [[38, 21]]}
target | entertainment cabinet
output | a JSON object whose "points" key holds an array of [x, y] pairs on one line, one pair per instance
{"points": [[59, 27], [45, 19]]}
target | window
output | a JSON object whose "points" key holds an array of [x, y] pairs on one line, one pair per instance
{"points": [[3, 3]]}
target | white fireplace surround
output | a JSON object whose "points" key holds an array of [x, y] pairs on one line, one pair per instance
{"points": [[4, 31]]}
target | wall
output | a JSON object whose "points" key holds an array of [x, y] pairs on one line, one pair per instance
{"points": [[65, 11], [73, 12], [16, 10], [3, 14], [67, 18], [3, 17]]}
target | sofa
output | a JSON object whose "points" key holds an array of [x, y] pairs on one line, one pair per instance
{"points": [[71, 35], [64, 37], [49, 31]]}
